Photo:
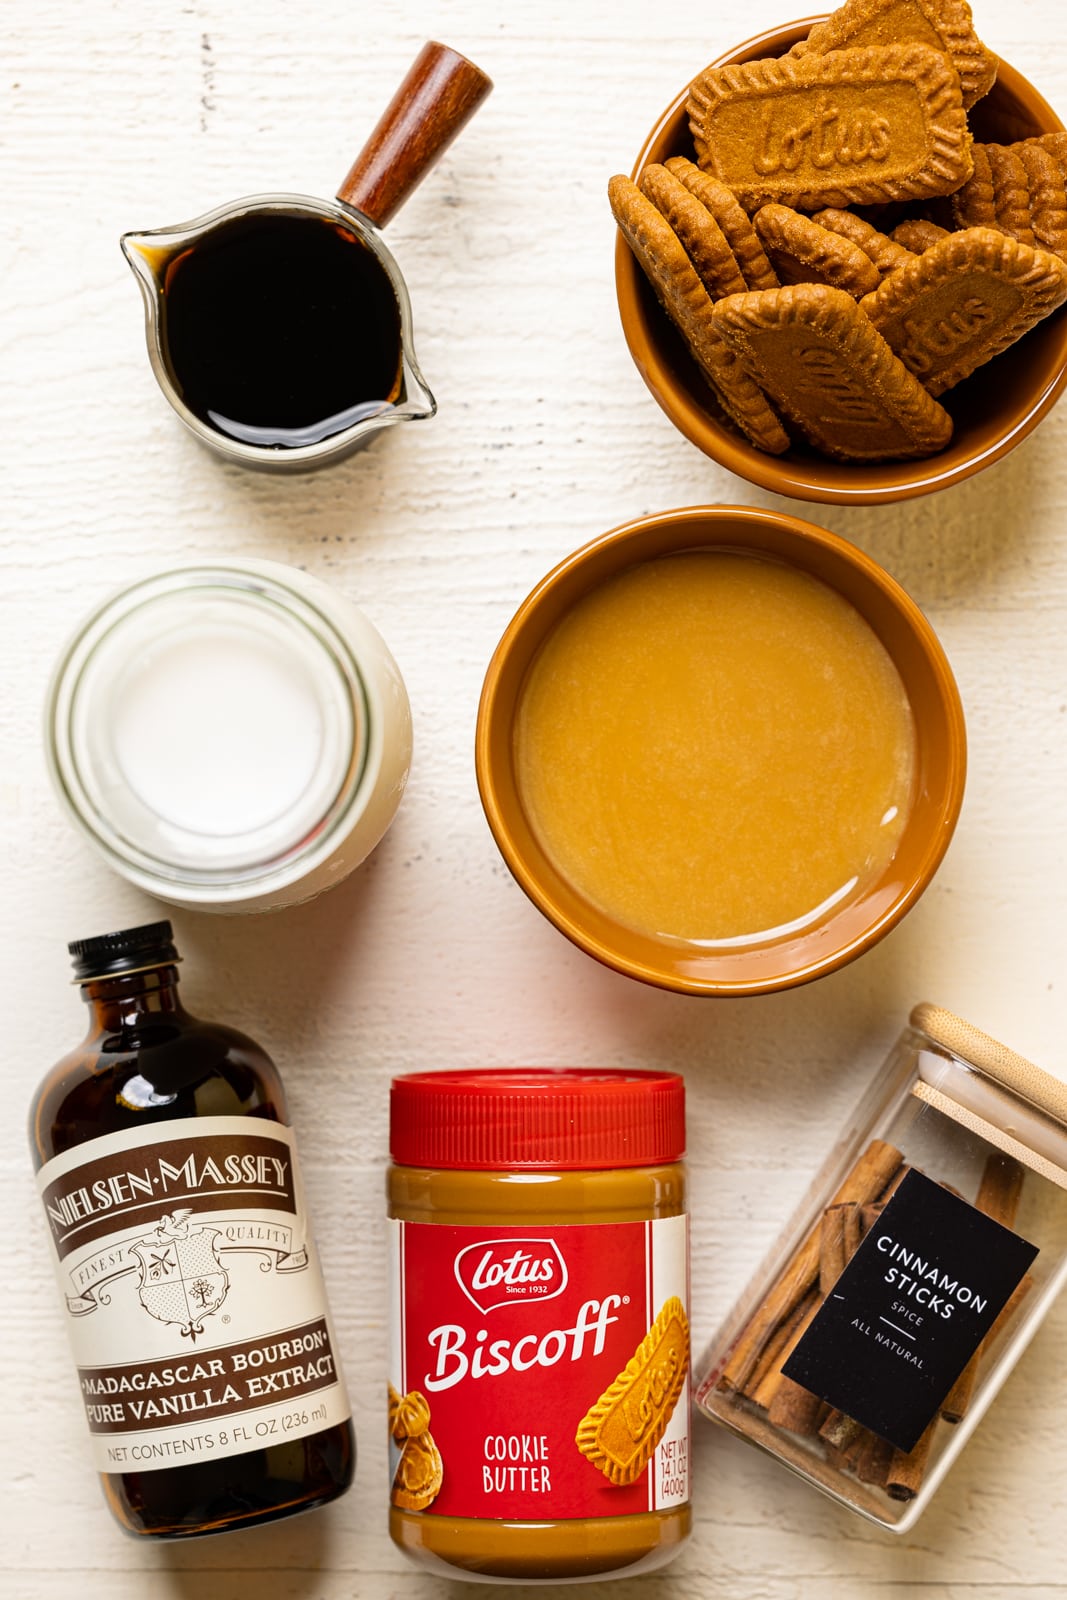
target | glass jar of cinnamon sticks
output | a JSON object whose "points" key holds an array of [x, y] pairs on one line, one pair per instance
{"points": [[903, 1291]]}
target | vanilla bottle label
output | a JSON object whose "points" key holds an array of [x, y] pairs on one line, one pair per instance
{"points": [[540, 1373], [195, 1306]]}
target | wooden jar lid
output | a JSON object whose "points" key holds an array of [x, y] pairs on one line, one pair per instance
{"points": [[993, 1059]]}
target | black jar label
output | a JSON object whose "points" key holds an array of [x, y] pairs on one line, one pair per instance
{"points": [[909, 1311]]}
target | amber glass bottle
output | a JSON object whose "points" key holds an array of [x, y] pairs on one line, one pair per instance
{"points": [[192, 1292]]}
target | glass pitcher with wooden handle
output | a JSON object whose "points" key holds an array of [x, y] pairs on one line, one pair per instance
{"points": [[279, 326]]}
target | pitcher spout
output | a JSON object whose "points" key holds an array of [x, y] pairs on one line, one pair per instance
{"points": [[417, 402], [146, 257]]}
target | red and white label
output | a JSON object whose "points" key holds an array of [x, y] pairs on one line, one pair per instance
{"points": [[501, 1272], [512, 1336]]}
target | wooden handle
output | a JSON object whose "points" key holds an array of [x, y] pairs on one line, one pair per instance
{"points": [[440, 93]]}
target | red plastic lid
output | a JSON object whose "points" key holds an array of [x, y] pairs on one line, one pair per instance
{"points": [[573, 1118]]}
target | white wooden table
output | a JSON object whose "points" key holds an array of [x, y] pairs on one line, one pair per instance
{"points": [[140, 113]]}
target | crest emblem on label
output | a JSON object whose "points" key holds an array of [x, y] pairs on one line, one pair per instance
{"points": [[182, 1278], [504, 1272]]}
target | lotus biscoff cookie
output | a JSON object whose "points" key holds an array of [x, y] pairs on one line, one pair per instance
{"points": [[1054, 143], [963, 302], [620, 1432], [974, 203], [916, 234], [662, 258], [1011, 192], [886, 253], [732, 219], [944, 25], [832, 374], [1048, 197], [851, 127], [701, 237], [801, 251], [1017, 188]]}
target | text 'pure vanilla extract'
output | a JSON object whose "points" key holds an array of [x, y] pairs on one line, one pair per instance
{"points": [[207, 1366]]}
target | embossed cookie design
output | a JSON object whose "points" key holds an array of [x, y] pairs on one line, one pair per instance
{"points": [[942, 24], [964, 301], [1045, 179], [850, 127], [1011, 192], [620, 1432], [869, 110], [832, 374]]}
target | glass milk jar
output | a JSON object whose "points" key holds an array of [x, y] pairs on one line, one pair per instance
{"points": [[229, 736], [901, 1294]]}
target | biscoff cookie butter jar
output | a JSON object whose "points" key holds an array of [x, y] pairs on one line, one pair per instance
{"points": [[917, 1269], [539, 1362]]}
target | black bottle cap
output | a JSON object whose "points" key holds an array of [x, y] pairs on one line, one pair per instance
{"points": [[130, 950]]}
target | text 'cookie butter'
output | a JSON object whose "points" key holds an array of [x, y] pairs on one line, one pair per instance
{"points": [[539, 1360]]}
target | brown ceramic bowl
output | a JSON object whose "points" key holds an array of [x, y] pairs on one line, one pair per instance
{"points": [[846, 930], [992, 410]]}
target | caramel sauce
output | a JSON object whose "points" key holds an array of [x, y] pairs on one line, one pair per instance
{"points": [[715, 748]]}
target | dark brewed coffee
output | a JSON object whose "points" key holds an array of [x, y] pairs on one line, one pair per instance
{"points": [[281, 330]]}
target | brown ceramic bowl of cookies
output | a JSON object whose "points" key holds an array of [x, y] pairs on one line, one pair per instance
{"points": [[992, 410], [619, 819]]}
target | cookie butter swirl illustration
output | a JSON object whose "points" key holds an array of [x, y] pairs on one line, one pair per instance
{"points": [[420, 1471], [623, 1428]]}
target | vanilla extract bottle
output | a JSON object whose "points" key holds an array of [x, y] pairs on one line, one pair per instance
{"points": [[190, 1285]]}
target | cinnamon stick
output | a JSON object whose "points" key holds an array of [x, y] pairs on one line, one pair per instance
{"points": [[866, 1181], [894, 1183], [798, 1327], [907, 1469], [774, 1352], [794, 1408], [840, 1431], [955, 1404], [870, 1213], [853, 1230], [837, 1430], [999, 1192], [1001, 1187], [839, 1234], [874, 1459], [845, 1459]]}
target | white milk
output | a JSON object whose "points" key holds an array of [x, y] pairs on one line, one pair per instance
{"points": [[230, 736], [221, 732]]}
